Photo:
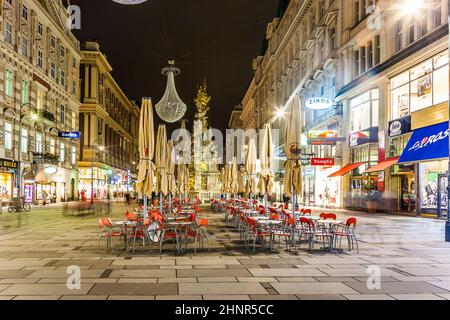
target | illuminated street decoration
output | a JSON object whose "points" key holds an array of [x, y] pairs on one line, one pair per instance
{"points": [[171, 108], [130, 2], [319, 103]]}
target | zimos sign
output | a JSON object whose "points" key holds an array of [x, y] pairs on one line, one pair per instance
{"points": [[319, 103]]}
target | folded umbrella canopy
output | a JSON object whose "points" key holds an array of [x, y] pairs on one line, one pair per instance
{"points": [[293, 170], [146, 173], [161, 161], [250, 166], [223, 180], [171, 183], [241, 187], [234, 185], [266, 177]]}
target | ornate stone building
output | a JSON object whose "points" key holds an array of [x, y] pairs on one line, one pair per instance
{"points": [[109, 123], [39, 98], [385, 65]]}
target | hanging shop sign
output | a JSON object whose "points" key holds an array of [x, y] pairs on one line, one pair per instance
{"points": [[319, 103], [399, 126], [322, 137], [69, 135], [9, 164], [365, 136], [323, 162]]}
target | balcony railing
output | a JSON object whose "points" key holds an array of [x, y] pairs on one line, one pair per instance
{"points": [[334, 111], [46, 115], [45, 158]]}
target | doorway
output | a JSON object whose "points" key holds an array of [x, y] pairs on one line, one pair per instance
{"points": [[407, 193]]}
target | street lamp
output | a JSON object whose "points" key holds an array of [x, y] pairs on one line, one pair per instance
{"points": [[33, 116]]}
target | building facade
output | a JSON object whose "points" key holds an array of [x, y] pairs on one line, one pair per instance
{"points": [[386, 70], [39, 100], [109, 124]]}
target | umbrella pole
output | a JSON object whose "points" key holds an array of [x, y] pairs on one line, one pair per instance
{"points": [[266, 203], [145, 207], [170, 203], [160, 202], [293, 201]]}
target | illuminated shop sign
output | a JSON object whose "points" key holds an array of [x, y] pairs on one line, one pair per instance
{"points": [[9, 164], [319, 103], [325, 162], [365, 136], [69, 135], [399, 126], [322, 137]]}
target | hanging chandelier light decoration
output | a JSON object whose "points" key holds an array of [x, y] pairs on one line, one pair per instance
{"points": [[171, 108]]}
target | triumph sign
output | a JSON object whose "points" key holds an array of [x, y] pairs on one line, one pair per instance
{"points": [[319, 103]]}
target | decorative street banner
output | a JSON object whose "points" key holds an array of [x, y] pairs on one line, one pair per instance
{"points": [[69, 135], [427, 143], [325, 162], [362, 137]]}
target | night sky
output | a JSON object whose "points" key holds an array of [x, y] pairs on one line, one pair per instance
{"points": [[216, 39]]}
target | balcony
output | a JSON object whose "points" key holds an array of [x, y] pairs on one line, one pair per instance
{"points": [[46, 116], [45, 158], [335, 111]]}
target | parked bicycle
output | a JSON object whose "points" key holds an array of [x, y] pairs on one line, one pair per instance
{"points": [[19, 205]]}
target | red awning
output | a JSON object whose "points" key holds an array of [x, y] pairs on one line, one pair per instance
{"points": [[384, 165], [345, 170]]}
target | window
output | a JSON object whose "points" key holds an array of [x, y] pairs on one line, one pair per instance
{"points": [[74, 63], [62, 52], [364, 111], [74, 155], [62, 114], [8, 136], [362, 52], [377, 57], [25, 96], [333, 45], [25, 47], [40, 29], [420, 87], [52, 146], [9, 85], [62, 152], [437, 14], [366, 153], [53, 70], [62, 78], [370, 55], [24, 141], [40, 58], [8, 33], [412, 31], [38, 147], [40, 99], [53, 42], [399, 35], [356, 11], [25, 13], [74, 121], [74, 87], [423, 29], [356, 62]]}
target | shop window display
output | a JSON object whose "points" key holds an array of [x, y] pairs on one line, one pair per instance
{"points": [[430, 173]]}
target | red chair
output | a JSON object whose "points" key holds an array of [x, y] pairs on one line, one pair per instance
{"points": [[347, 231], [107, 229], [200, 233], [255, 232], [274, 216], [328, 216], [313, 233]]}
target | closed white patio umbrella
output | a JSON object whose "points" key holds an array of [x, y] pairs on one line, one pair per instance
{"points": [[266, 177], [146, 172], [250, 166], [293, 170], [161, 163]]}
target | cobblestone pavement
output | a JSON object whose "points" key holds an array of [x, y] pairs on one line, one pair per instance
{"points": [[37, 248]]}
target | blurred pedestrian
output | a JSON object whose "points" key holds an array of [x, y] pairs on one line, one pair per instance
{"points": [[44, 197], [127, 198]]}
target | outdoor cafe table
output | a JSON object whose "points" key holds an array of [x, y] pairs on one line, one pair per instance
{"points": [[124, 225], [251, 213], [270, 223], [329, 224], [181, 226]]}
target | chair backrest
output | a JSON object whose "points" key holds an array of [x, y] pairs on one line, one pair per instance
{"points": [[322, 216], [262, 211], [274, 216], [203, 223], [307, 223], [192, 217], [307, 211], [331, 216], [104, 223], [351, 222], [273, 210], [132, 216]]}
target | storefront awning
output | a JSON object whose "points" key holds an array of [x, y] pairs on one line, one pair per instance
{"points": [[427, 143], [345, 170], [383, 165]]}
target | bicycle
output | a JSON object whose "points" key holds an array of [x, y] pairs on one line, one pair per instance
{"points": [[17, 205]]}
